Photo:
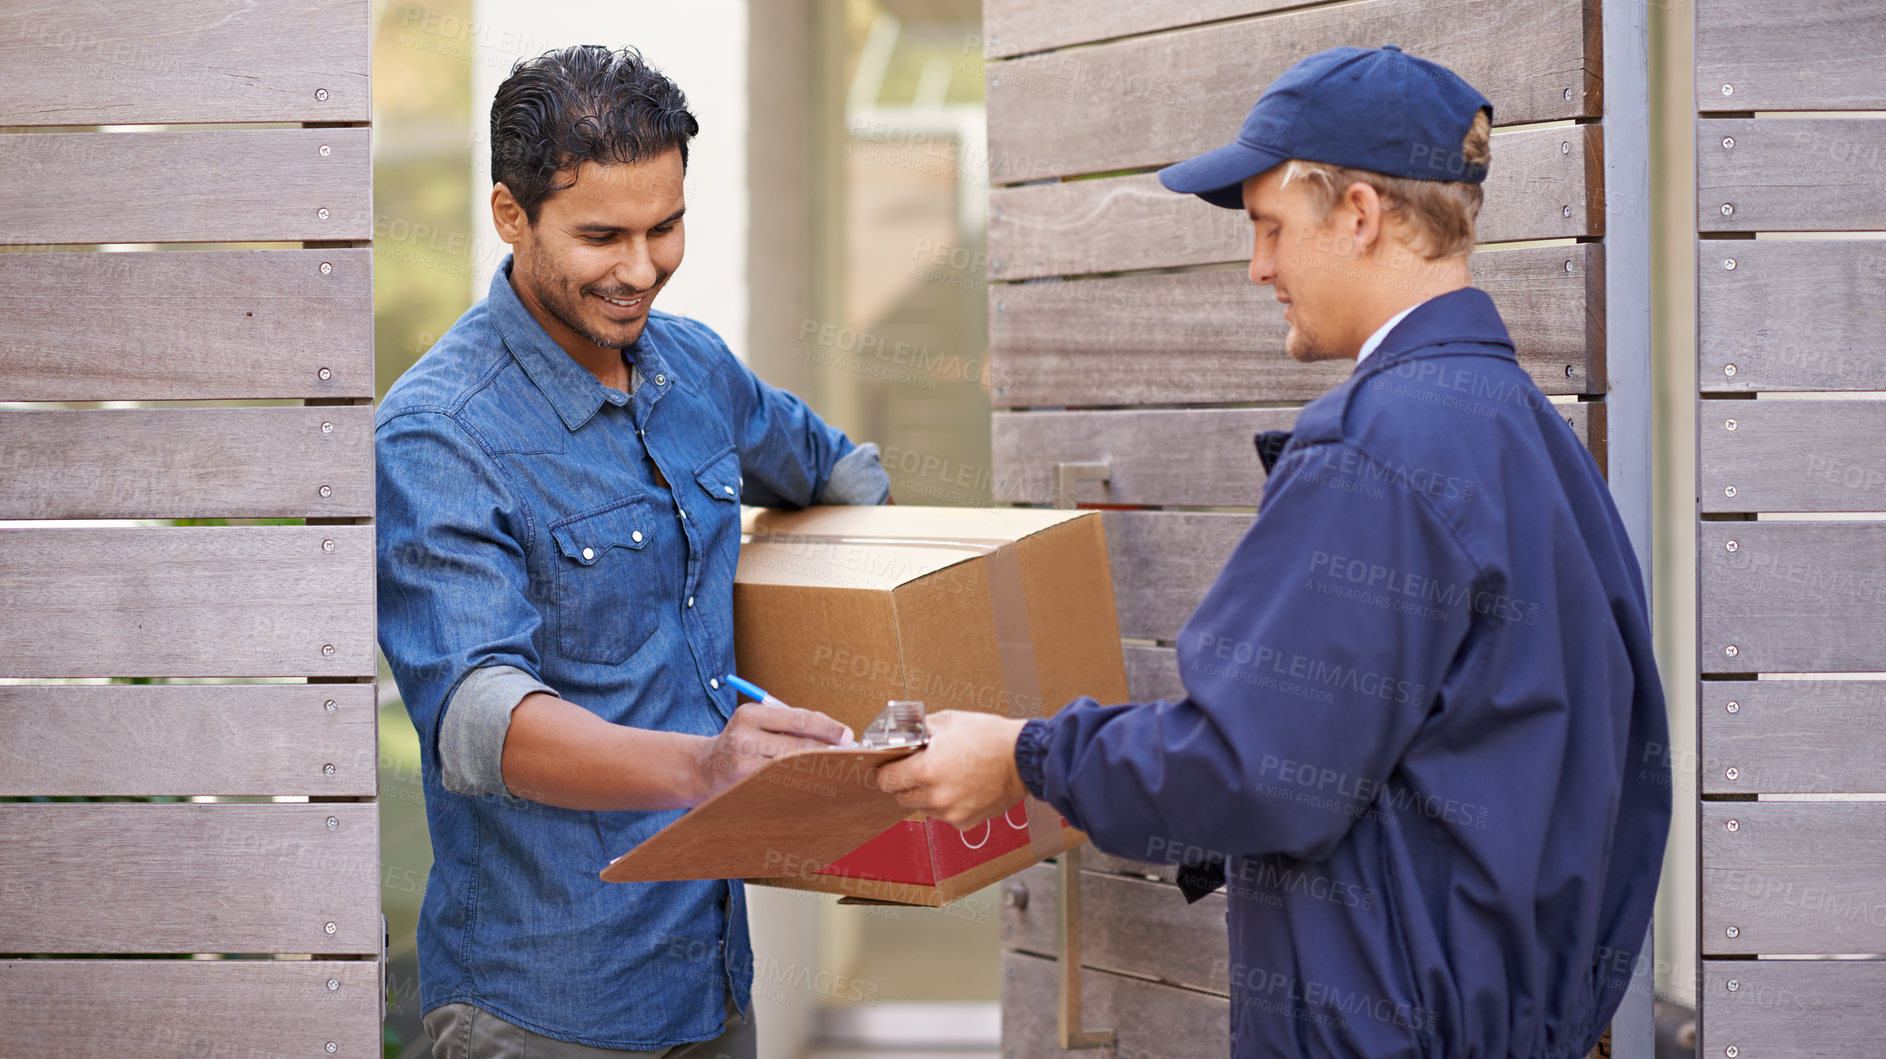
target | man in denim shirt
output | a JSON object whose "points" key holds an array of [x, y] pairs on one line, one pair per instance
{"points": [[559, 493]]}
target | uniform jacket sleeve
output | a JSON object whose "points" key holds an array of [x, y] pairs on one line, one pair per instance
{"points": [[1313, 660], [453, 595]]}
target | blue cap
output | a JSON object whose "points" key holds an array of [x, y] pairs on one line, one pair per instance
{"points": [[1376, 109]]}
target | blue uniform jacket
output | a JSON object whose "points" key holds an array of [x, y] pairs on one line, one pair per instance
{"points": [[1422, 736]]}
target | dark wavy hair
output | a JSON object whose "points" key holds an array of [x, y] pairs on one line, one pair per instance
{"points": [[581, 104]]}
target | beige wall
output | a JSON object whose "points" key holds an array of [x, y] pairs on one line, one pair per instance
{"points": [[1673, 350]]}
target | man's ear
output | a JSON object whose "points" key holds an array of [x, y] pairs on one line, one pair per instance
{"points": [[506, 215], [1366, 203]]}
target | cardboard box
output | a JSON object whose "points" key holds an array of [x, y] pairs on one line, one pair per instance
{"points": [[841, 609]]}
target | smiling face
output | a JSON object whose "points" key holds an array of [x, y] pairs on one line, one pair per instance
{"points": [[598, 253], [1299, 255]]}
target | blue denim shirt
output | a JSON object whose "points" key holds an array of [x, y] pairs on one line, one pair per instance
{"points": [[526, 544]]}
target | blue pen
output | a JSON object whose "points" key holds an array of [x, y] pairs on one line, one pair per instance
{"points": [[754, 691]]}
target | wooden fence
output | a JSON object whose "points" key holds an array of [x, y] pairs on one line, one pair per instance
{"points": [[1791, 575], [274, 886], [1104, 354]]}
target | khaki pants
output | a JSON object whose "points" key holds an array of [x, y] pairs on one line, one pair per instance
{"points": [[461, 1031]]}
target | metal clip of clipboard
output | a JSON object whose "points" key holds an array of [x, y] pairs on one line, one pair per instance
{"points": [[899, 724], [1067, 922]]}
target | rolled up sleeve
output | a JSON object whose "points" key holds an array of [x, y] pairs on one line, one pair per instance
{"points": [[857, 478], [471, 738], [456, 620]]}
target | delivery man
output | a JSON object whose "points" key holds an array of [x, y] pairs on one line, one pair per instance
{"points": [[560, 481], [1420, 697]]}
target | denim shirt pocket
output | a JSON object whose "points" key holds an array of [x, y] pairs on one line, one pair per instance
{"points": [[720, 477], [605, 578]]}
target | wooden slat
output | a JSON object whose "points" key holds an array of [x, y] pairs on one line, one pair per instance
{"points": [[1017, 27], [186, 463], [1198, 456], [1808, 55], [1791, 1009], [255, 185], [1590, 421], [1790, 174], [1107, 864], [1152, 673], [100, 62], [1793, 455], [183, 739], [191, 877], [1128, 925], [1201, 457], [1151, 1019], [104, 1009], [1217, 337], [1793, 878], [232, 601], [1793, 736], [1794, 597], [1163, 562], [1804, 314], [1152, 100], [188, 325], [1119, 224]]}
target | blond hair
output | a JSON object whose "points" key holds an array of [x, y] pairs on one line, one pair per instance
{"points": [[1436, 217]]}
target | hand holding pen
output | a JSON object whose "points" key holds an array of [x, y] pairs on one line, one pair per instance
{"points": [[759, 731]]}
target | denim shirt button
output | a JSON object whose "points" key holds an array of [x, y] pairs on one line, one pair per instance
{"points": [[713, 682]]}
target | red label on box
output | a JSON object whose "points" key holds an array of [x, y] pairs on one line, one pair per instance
{"points": [[927, 852], [958, 851], [900, 854]]}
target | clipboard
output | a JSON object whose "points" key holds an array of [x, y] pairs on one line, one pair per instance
{"points": [[792, 816]]}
